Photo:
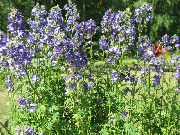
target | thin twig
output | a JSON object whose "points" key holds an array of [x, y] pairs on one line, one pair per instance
{"points": [[5, 128]]}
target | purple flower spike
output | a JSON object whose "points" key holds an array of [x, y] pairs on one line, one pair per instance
{"points": [[72, 17], [107, 21], [39, 21], [16, 26]]}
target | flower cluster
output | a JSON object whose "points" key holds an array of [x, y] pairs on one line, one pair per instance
{"points": [[85, 30], [107, 21], [26, 130], [116, 24], [121, 30], [122, 76], [55, 18], [35, 78], [20, 56], [114, 53], [3, 49], [24, 103], [13, 48], [157, 80], [9, 84], [114, 76], [39, 13], [144, 47], [72, 16], [176, 61], [143, 14], [103, 43], [173, 40], [54, 30], [15, 24]]}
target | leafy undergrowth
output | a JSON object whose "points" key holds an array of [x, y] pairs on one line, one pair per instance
{"points": [[59, 88]]}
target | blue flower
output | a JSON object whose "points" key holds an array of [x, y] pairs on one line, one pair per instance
{"points": [[174, 39], [103, 43], [107, 21], [143, 14], [9, 83], [86, 86], [177, 74], [3, 42], [15, 23], [111, 60], [124, 114], [85, 30], [177, 45], [35, 78], [122, 76], [72, 17], [166, 40], [100, 100], [30, 131], [114, 76], [25, 130], [74, 85], [55, 18], [23, 102], [76, 59], [157, 80], [32, 107], [57, 52], [114, 53]]}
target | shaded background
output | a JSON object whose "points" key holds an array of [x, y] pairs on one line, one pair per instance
{"points": [[166, 12]]}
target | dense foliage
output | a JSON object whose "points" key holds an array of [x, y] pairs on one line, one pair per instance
{"points": [[57, 87]]}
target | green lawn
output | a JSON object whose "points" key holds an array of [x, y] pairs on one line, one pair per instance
{"points": [[4, 106], [4, 102], [4, 110]]}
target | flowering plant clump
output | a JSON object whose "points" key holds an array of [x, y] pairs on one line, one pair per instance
{"points": [[57, 86]]}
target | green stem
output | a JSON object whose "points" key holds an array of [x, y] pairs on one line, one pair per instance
{"points": [[5, 128], [149, 81], [34, 88]]}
